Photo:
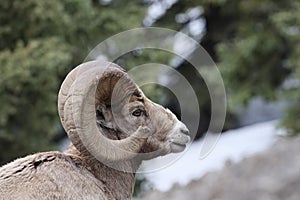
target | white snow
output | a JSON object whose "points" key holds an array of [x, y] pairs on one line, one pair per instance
{"points": [[233, 145]]}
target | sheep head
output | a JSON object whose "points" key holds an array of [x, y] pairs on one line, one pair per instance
{"points": [[106, 114]]}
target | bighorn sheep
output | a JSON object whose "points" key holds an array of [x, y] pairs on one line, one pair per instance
{"points": [[112, 127]]}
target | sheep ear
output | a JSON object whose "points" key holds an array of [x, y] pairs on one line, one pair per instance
{"points": [[104, 117]]}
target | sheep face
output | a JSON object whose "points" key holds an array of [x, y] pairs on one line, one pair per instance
{"points": [[106, 114], [169, 135]]}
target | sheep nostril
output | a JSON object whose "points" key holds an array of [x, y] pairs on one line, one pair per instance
{"points": [[185, 131]]}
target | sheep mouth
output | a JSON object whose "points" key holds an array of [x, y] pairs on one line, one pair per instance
{"points": [[178, 141], [177, 147], [179, 144]]}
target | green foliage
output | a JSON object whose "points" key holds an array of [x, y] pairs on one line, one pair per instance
{"points": [[28, 86], [140, 183], [252, 59], [36, 19], [255, 46], [291, 119], [41, 41], [262, 55]]}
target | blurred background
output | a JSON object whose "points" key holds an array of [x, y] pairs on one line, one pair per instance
{"points": [[255, 45]]}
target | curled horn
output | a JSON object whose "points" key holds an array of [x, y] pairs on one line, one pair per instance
{"points": [[86, 86]]}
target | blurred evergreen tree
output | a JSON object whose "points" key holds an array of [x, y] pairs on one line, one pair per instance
{"points": [[40, 42], [28, 90], [254, 43]]}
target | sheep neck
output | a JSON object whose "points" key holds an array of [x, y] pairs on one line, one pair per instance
{"points": [[119, 184]]}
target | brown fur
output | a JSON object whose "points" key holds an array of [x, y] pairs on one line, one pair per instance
{"points": [[55, 175]]}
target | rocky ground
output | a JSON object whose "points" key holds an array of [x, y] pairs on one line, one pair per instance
{"points": [[271, 175]]}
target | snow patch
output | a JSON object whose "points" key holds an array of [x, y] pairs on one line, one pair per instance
{"points": [[234, 145]]}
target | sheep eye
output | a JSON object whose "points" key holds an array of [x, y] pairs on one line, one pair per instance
{"points": [[137, 113]]}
